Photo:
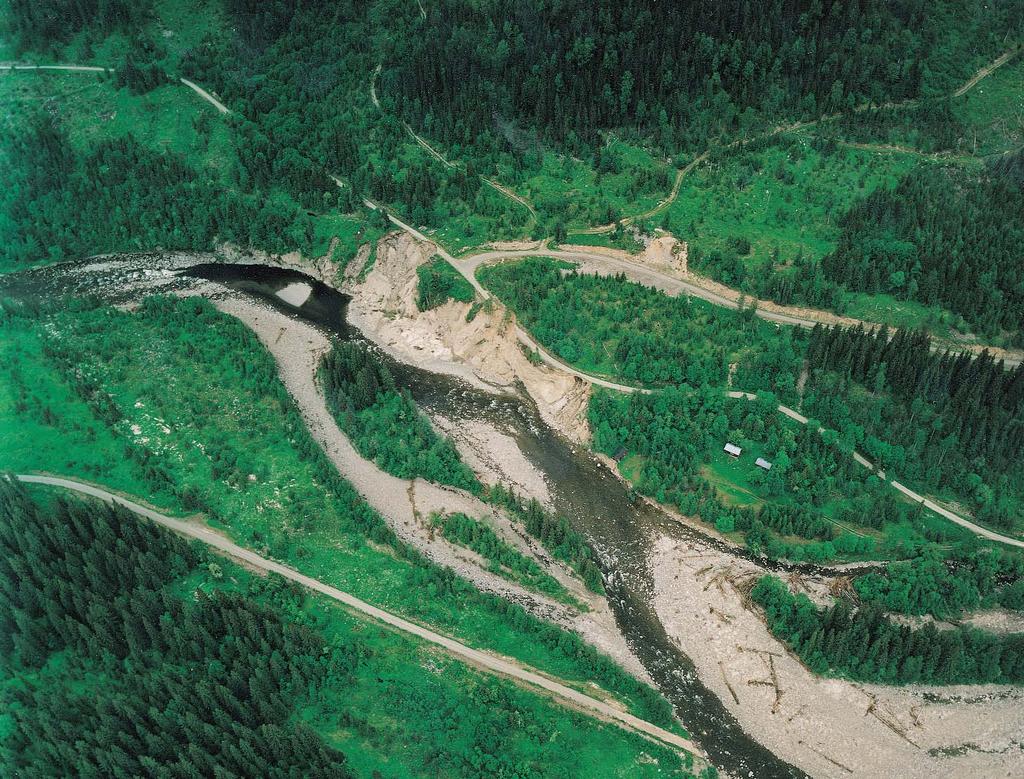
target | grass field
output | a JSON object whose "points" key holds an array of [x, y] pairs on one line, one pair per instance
{"points": [[568, 190], [994, 111], [730, 476]]}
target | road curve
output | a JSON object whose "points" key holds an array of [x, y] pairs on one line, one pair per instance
{"points": [[554, 362], [562, 693], [603, 264], [205, 95]]}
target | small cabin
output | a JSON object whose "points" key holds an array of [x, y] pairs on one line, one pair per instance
{"points": [[732, 450], [760, 462]]}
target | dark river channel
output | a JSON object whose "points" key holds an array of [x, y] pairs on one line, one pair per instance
{"points": [[599, 505]]}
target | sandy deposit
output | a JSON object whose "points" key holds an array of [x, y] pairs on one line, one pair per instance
{"points": [[495, 457], [824, 726], [483, 351]]}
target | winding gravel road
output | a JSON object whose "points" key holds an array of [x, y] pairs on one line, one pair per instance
{"points": [[562, 693]]}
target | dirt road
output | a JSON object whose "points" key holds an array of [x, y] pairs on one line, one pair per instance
{"points": [[95, 69], [524, 675]]}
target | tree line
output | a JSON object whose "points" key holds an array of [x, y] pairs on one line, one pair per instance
{"points": [[944, 236], [679, 74], [864, 644], [945, 420], [384, 422], [168, 688], [122, 196]]}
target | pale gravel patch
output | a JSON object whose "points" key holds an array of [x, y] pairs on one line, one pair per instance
{"points": [[495, 457]]}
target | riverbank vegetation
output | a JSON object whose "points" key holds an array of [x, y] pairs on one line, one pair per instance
{"points": [[502, 558], [225, 672], [181, 405], [555, 532], [384, 423], [947, 584], [865, 645]]}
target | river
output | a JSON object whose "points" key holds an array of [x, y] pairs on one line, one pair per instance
{"points": [[619, 527]]}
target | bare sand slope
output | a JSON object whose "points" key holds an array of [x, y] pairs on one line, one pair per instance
{"points": [[484, 351]]}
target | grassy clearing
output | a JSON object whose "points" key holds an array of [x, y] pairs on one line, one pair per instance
{"points": [[731, 477], [93, 109], [908, 314], [766, 206], [182, 406], [617, 239], [567, 190], [994, 111]]}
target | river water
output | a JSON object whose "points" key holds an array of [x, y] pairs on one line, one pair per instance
{"points": [[619, 527]]}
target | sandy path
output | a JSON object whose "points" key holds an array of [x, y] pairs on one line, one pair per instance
{"points": [[525, 675], [209, 98], [987, 70]]}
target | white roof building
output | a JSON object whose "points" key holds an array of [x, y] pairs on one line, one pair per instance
{"points": [[763, 463], [733, 450]]}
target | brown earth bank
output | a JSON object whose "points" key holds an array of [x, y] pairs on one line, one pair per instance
{"points": [[484, 350]]}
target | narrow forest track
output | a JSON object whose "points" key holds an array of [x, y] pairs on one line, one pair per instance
{"points": [[423, 143], [499, 666], [987, 70], [207, 96], [981, 74]]}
